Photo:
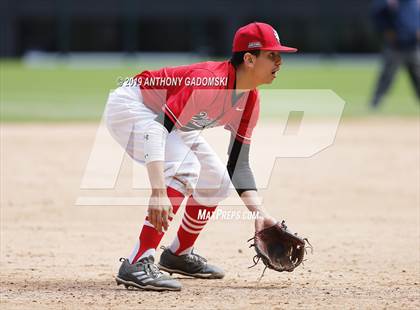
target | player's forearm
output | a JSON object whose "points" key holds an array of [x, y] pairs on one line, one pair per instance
{"points": [[252, 202], [156, 177], [238, 167]]}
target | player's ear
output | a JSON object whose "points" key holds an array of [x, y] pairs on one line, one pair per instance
{"points": [[249, 60]]}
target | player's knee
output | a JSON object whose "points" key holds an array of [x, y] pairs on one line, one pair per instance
{"points": [[225, 186], [212, 193], [182, 176]]}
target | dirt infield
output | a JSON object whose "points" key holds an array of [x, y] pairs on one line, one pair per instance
{"points": [[357, 201]]}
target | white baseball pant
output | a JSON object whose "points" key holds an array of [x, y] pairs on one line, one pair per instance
{"points": [[191, 166]]}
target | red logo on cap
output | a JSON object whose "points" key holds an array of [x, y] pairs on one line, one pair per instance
{"points": [[276, 35]]}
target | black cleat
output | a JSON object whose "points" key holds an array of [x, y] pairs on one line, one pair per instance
{"points": [[145, 275], [192, 265]]}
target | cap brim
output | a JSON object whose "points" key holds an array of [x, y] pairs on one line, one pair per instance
{"points": [[284, 49]]}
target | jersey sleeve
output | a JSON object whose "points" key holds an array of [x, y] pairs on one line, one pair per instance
{"points": [[243, 125]]}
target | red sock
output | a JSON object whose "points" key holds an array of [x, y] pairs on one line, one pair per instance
{"points": [[194, 220], [150, 238]]}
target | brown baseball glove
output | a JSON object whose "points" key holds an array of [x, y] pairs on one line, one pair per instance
{"points": [[279, 248]]}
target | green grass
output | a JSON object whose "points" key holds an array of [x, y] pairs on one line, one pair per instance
{"points": [[63, 93]]}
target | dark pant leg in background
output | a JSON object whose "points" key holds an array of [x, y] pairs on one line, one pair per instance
{"points": [[412, 61], [391, 62]]}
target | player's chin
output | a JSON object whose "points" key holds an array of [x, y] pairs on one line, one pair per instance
{"points": [[270, 79]]}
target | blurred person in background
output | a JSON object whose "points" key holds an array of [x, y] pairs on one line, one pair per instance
{"points": [[398, 21]]}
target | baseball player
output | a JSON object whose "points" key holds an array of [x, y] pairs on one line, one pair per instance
{"points": [[158, 121]]}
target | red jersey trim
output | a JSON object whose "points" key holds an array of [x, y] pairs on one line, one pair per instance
{"points": [[174, 119], [240, 138], [172, 115]]}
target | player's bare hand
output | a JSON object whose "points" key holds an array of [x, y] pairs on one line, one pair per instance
{"points": [[160, 209], [264, 221]]}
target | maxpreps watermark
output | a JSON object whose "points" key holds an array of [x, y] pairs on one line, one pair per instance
{"points": [[171, 81], [220, 214]]}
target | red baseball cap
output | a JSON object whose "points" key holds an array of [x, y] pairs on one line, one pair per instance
{"points": [[258, 36]]}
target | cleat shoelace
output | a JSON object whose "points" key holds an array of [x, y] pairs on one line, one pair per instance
{"points": [[151, 269], [193, 257], [154, 270]]}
